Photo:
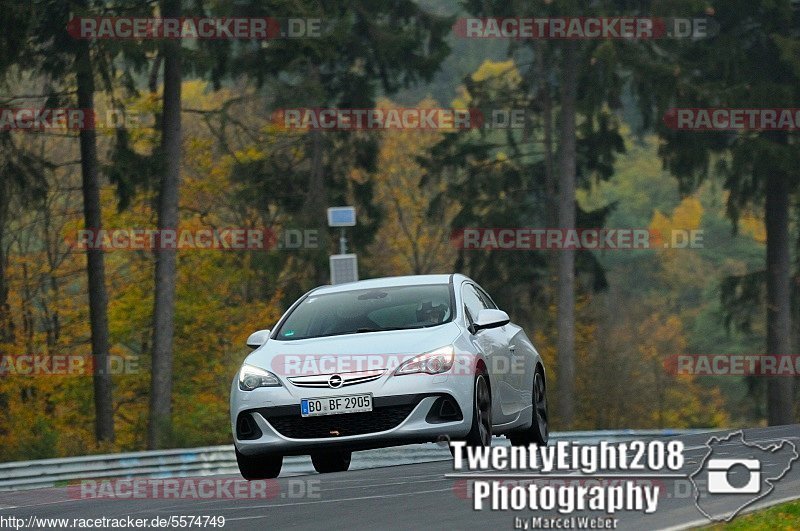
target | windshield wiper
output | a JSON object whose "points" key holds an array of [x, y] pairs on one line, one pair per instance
{"points": [[367, 329], [360, 331]]}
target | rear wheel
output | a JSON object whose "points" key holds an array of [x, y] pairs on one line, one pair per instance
{"points": [[325, 462], [259, 466], [539, 432]]}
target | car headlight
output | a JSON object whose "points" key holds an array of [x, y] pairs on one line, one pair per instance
{"points": [[434, 362], [252, 378]]}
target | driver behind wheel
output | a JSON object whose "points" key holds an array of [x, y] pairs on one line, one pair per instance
{"points": [[428, 314]]}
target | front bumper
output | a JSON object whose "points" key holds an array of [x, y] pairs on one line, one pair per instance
{"points": [[268, 420]]}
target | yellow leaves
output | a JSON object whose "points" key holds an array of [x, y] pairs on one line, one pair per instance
{"points": [[676, 238], [660, 223], [214, 315], [680, 401], [670, 235], [753, 226], [249, 154], [497, 75], [624, 372], [691, 406], [659, 335], [411, 240], [271, 129], [197, 94], [462, 100], [686, 216], [358, 175], [496, 70]]}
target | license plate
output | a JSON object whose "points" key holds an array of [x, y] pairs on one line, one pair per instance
{"points": [[335, 405]]}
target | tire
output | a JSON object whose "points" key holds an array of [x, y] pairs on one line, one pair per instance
{"points": [[539, 431], [326, 462], [263, 466], [480, 434]]}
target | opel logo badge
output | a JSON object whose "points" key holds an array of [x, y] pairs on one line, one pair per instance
{"points": [[335, 381]]}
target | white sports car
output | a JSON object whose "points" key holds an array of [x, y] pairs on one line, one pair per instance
{"points": [[384, 362]]}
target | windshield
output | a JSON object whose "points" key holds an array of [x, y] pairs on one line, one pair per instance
{"points": [[368, 310]]}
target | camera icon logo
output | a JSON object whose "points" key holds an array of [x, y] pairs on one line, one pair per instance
{"points": [[735, 474], [718, 476]]}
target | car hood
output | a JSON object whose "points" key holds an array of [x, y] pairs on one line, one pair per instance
{"points": [[390, 344]]}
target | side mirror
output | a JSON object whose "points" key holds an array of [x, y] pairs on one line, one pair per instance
{"points": [[488, 318], [257, 339]]}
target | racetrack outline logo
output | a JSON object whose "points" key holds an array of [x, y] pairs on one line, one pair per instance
{"points": [[770, 480]]}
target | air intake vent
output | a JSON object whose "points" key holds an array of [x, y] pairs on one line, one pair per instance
{"points": [[246, 428]]}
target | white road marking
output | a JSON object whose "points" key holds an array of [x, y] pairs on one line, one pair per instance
{"points": [[733, 443], [337, 500], [45, 503]]}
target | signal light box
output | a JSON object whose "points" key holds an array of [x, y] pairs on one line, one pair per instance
{"points": [[344, 268], [342, 216]]}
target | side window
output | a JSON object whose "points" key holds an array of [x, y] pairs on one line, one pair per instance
{"points": [[472, 302], [487, 300]]}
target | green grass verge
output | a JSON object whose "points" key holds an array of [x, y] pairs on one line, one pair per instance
{"points": [[784, 517]]}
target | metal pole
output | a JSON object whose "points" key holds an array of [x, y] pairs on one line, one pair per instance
{"points": [[342, 242]]}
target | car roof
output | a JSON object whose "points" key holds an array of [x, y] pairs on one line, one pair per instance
{"points": [[385, 282]]}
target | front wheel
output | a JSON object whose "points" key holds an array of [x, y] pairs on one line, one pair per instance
{"points": [[259, 466], [480, 434], [539, 431], [325, 462]]}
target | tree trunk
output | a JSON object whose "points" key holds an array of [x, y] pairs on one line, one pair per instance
{"points": [[566, 258], [95, 266], [779, 317], [6, 322], [6, 327], [315, 209], [160, 422], [542, 72]]}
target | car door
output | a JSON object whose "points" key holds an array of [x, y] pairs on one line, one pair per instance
{"points": [[493, 343], [520, 373]]}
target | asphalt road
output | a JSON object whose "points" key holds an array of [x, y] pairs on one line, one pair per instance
{"points": [[411, 496]]}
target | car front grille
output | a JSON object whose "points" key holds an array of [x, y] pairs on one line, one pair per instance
{"points": [[380, 419], [346, 378]]}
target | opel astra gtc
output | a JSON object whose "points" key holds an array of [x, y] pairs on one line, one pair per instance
{"points": [[384, 362]]}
